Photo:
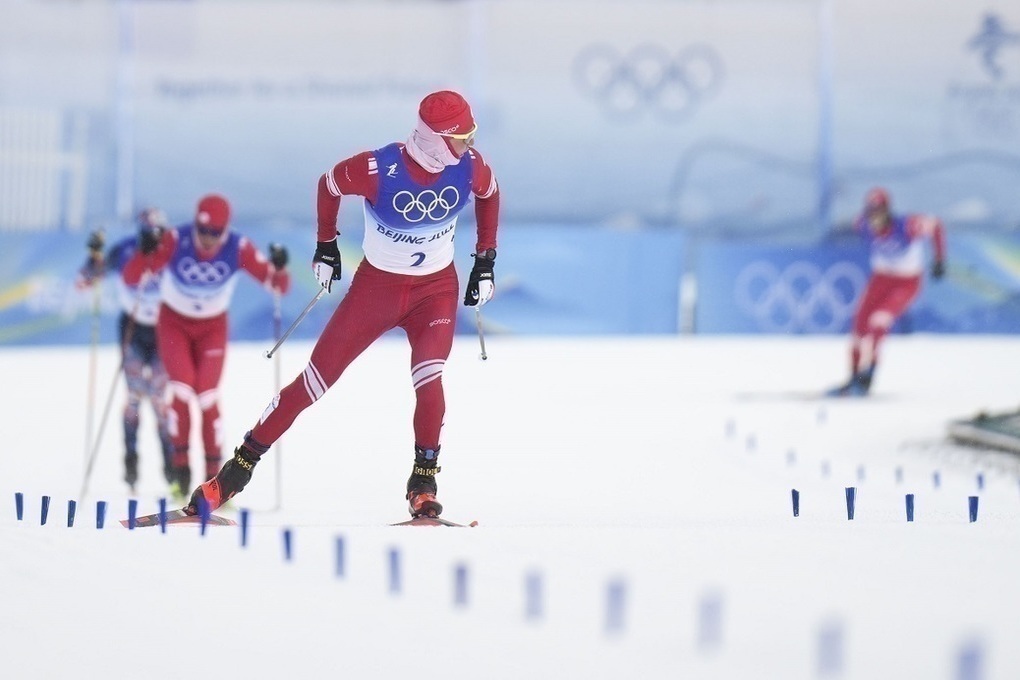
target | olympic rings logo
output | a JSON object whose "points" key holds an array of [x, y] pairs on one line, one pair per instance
{"points": [[435, 206], [649, 76], [801, 297], [202, 273]]}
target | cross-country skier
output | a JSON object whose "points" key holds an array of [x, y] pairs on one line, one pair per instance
{"points": [[412, 194], [198, 264], [897, 267], [143, 370]]}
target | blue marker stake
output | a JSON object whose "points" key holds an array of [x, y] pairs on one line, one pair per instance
{"points": [[203, 514], [899, 475], [132, 513], [100, 514], [244, 528], [615, 595], [45, 511], [791, 457], [710, 622], [830, 650], [72, 507], [860, 473], [460, 596], [969, 662], [533, 596], [19, 505], [796, 502], [851, 500], [752, 442], [731, 428], [972, 505], [825, 468], [340, 570], [936, 479], [162, 515], [394, 571], [980, 481], [910, 507], [288, 544]]}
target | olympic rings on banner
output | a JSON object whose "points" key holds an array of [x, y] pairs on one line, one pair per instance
{"points": [[801, 297], [202, 273], [426, 204], [649, 76]]}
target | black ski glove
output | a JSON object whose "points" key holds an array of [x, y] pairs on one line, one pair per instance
{"points": [[148, 239], [96, 243], [481, 283], [278, 255], [938, 269], [326, 263]]}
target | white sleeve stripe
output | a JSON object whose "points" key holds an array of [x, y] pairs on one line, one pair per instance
{"points": [[331, 184], [314, 385]]}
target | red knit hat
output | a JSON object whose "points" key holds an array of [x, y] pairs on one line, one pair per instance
{"points": [[213, 212], [447, 113], [877, 199]]}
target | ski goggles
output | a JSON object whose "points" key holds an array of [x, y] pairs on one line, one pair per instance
{"points": [[468, 137], [208, 231]]}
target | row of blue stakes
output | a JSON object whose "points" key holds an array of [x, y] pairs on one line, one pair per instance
{"points": [[830, 639], [616, 589], [851, 504]]}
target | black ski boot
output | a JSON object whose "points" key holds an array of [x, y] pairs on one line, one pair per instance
{"points": [[131, 469], [421, 485], [230, 480]]}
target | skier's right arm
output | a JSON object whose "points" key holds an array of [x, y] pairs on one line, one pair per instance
{"points": [[152, 255], [352, 176]]}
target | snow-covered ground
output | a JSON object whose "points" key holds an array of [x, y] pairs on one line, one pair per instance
{"points": [[659, 470]]}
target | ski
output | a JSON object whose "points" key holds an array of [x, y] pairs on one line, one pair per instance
{"points": [[179, 517], [424, 521]]}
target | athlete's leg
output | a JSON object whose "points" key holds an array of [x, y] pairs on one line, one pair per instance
{"points": [[175, 350], [430, 327], [156, 392], [134, 376], [371, 307], [898, 293], [860, 341], [211, 352]]}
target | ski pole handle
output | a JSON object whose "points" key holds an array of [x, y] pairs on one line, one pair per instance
{"points": [[301, 316]]}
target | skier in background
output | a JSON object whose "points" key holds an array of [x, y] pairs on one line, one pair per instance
{"points": [[413, 194], [897, 267], [198, 263], [144, 373]]}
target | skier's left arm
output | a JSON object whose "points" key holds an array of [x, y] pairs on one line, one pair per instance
{"points": [[927, 226], [271, 272], [481, 282]]}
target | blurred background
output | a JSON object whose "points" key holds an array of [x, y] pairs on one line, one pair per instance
{"points": [[666, 166]]}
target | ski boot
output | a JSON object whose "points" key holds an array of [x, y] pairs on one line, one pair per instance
{"points": [[227, 483], [858, 386], [421, 485], [180, 482], [131, 470]]}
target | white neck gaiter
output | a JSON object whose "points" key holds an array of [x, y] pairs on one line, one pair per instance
{"points": [[428, 149]]}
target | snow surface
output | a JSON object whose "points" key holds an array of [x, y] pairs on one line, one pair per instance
{"points": [[658, 467]]}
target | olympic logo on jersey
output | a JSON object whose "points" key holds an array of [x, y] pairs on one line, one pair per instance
{"points": [[202, 273], [800, 298], [435, 206], [649, 77]]}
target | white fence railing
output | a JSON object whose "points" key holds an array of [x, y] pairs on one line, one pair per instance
{"points": [[42, 170]]}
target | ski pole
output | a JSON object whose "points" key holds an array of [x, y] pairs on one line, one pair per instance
{"points": [[277, 324], [481, 336], [301, 316]]}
